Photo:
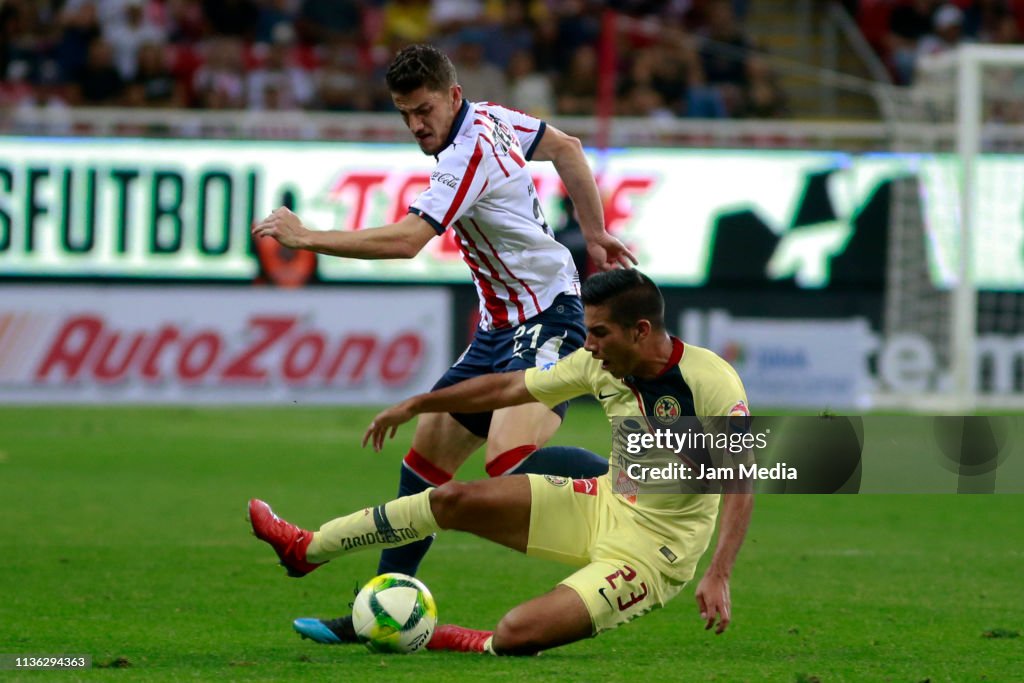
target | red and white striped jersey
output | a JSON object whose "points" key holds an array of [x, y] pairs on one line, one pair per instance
{"points": [[483, 190]]}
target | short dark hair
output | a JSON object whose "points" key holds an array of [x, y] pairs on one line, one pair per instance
{"points": [[630, 296], [418, 66]]}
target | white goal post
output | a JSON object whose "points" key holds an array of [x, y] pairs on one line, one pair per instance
{"points": [[956, 259]]}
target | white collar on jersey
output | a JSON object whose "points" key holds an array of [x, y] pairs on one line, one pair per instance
{"points": [[460, 118]]}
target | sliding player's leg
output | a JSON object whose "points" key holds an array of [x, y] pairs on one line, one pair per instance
{"points": [[439, 446], [575, 521], [441, 433], [562, 527], [558, 617], [499, 510], [443, 442], [599, 597], [496, 509]]}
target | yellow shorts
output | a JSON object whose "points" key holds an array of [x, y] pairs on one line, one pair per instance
{"points": [[578, 522]]}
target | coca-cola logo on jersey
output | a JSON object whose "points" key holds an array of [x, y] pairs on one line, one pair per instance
{"points": [[445, 179], [268, 350]]}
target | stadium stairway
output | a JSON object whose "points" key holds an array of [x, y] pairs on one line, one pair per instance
{"points": [[799, 34]]}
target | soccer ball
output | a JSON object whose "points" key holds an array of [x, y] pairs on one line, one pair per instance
{"points": [[394, 613]]}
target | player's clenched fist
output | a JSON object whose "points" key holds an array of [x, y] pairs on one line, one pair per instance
{"points": [[285, 227]]}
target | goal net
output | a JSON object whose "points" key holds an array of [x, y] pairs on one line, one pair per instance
{"points": [[954, 303]]}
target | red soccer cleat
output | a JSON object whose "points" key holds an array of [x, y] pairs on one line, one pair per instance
{"points": [[458, 639], [287, 540]]}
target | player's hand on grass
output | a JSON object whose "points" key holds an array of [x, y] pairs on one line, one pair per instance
{"points": [[390, 419], [713, 601], [285, 227], [608, 253]]}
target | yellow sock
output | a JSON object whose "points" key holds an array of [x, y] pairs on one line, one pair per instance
{"points": [[397, 522]]}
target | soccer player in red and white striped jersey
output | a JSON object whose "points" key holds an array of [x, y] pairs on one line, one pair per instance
{"points": [[527, 284], [482, 189]]}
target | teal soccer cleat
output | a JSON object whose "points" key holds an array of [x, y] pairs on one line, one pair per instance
{"points": [[326, 632]]}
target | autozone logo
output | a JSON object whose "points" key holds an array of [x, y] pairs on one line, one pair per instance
{"points": [[276, 349]]}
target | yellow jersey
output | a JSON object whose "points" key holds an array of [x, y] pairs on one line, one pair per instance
{"points": [[695, 383]]}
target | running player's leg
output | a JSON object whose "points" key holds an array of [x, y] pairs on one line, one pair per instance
{"points": [[516, 445], [439, 446], [515, 434], [444, 442]]}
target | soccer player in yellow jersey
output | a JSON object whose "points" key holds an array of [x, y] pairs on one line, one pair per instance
{"points": [[635, 549]]}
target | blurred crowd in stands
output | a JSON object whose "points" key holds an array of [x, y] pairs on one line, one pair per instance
{"points": [[680, 58], [904, 31]]}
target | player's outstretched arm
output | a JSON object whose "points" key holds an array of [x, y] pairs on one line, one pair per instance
{"points": [[487, 392], [403, 239], [566, 153], [712, 595]]}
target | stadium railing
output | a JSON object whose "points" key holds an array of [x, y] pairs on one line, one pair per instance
{"points": [[323, 126]]}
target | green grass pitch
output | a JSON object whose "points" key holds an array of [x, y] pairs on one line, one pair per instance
{"points": [[124, 537]]}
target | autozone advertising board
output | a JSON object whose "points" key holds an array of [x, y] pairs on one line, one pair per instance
{"points": [[220, 344]]}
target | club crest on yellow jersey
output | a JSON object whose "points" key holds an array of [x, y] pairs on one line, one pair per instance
{"points": [[667, 410]]}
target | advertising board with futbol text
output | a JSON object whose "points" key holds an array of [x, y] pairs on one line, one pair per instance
{"points": [[182, 209]]}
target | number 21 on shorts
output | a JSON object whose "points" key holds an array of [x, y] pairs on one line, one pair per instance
{"points": [[531, 333]]}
